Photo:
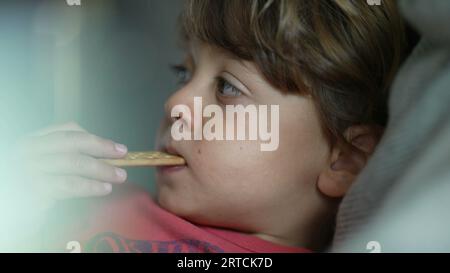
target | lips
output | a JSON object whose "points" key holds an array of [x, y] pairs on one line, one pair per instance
{"points": [[171, 169], [171, 150]]}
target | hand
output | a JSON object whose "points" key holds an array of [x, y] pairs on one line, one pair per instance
{"points": [[64, 161]]}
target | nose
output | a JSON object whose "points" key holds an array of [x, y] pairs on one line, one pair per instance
{"points": [[182, 98], [172, 118]]}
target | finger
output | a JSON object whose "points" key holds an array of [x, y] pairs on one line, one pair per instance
{"points": [[70, 126], [80, 165], [76, 142], [63, 187], [25, 144]]}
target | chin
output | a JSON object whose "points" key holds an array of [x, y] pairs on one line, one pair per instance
{"points": [[170, 201]]}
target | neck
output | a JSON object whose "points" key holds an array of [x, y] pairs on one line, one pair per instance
{"points": [[313, 232]]}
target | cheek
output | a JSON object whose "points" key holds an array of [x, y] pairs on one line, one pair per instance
{"points": [[303, 151], [237, 172], [231, 175], [225, 179], [222, 163], [236, 177]]}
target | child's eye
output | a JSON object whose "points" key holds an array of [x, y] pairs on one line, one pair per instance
{"points": [[226, 89], [182, 74]]}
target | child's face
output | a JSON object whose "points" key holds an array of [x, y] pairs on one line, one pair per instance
{"points": [[234, 184]]}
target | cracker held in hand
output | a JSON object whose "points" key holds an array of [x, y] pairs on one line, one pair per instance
{"points": [[149, 158]]}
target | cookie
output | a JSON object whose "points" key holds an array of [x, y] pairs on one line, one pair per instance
{"points": [[147, 158]]}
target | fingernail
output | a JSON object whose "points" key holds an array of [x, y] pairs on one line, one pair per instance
{"points": [[121, 148], [107, 187], [121, 173]]}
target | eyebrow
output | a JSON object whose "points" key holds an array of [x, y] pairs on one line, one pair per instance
{"points": [[233, 57], [187, 47], [189, 59]]}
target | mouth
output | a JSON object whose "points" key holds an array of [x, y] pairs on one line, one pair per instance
{"points": [[171, 169]]}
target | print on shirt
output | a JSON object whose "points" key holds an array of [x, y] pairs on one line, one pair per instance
{"points": [[112, 242]]}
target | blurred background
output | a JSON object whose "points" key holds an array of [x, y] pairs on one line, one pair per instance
{"points": [[104, 64]]}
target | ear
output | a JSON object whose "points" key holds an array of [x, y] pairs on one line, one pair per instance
{"points": [[348, 158]]}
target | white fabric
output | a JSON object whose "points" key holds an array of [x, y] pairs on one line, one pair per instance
{"points": [[402, 198]]}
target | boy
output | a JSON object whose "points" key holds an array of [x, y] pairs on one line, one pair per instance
{"points": [[326, 64]]}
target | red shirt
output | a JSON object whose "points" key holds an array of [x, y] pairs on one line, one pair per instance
{"points": [[130, 221]]}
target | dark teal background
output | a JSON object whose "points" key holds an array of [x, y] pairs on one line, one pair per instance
{"points": [[125, 46]]}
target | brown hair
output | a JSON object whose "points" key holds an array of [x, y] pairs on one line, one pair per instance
{"points": [[344, 53]]}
